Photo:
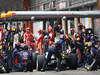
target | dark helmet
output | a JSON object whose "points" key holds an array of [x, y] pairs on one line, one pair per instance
{"points": [[58, 45], [26, 47]]}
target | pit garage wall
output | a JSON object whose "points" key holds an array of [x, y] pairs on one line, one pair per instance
{"points": [[87, 22], [37, 26], [97, 22], [97, 27]]}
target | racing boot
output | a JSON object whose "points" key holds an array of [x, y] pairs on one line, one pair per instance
{"points": [[42, 70]]}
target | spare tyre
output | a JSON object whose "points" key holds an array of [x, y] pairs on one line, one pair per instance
{"points": [[73, 61], [34, 59], [40, 62]]}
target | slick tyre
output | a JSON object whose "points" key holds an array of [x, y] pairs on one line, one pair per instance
{"points": [[40, 62], [73, 61], [34, 60]]}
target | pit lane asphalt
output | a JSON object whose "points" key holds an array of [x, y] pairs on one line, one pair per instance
{"points": [[79, 71]]}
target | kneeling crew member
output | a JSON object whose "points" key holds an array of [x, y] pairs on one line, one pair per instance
{"points": [[54, 49]]}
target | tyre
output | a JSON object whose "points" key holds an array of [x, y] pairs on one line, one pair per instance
{"points": [[40, 61], [73, 61], [34, 60], [4, 68]]}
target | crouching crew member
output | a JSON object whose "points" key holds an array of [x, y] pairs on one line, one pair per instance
{"points": [[54, 49]]}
